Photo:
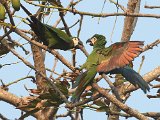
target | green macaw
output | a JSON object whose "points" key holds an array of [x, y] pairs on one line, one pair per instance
{"points": [[113, 59], [52, 37]]}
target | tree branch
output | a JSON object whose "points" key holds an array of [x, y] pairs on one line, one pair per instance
{"points": [[148, 77], [13, 100], [150, 46], [119, 104], [102, 14]]}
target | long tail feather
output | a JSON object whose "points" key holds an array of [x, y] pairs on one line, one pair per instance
{"points": [[28, 13], [78, 79], [83, 81], [39, 28], [33, 18], [133, 77]]}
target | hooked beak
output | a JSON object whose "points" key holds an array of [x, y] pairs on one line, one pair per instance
{"points": [[90, 42]]}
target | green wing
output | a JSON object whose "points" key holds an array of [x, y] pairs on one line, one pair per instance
{"points": [[61, 34], [118, 55], [52, 37]]}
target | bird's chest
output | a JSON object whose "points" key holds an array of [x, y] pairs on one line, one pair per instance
{"points": [[93, 61]]}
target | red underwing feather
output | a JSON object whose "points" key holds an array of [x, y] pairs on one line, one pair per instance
{"points": [[127, 57], [120, 54]]}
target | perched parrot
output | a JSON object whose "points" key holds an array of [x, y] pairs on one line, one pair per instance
{"points": [[113, 59], [52, 37]]}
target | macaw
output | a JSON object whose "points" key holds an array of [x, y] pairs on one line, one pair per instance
{"points": [[52, 37], [113, 59]]}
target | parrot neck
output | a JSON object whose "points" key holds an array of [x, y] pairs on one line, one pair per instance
{"points": [[98, 46]]}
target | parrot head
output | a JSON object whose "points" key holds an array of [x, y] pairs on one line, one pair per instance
{"points": [[77, 42], [97, 40]]}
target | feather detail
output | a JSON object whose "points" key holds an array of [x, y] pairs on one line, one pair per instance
{"points": [[119, 54], [84, 81], [132, 76]]}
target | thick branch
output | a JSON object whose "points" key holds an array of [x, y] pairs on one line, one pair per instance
{"points": [[119, 104], [39, 65], [130, 22], [149, 114], [12, 99]]}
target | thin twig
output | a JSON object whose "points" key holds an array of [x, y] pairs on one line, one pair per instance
{"points": [[58, 21], [62, 28], [117, 4], [16, 81], [103, 14], [149, 114], [113, 88], [101, 10], [151, 7], [54, 66], [142, 61], [80, 26], [92, 98], [150, 46]]}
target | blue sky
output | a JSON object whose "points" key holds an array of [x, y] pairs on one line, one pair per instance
{"points": [[147, 30]]}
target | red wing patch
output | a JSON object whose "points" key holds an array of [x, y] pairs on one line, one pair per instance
{"points": [[102, 67], [117, 46], [121, 54]]}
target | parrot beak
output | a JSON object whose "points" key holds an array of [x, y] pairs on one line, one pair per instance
{"points": [[88, 41], [91, 41]]}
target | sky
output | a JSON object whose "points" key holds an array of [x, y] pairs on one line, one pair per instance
{"points": [[147, 30]]}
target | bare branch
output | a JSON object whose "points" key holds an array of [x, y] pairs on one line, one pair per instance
{"points": [[130, 22], [122, 7], [149, 114], [102, 14], [150, 46], [13, 100], [151, 7], [119, 104]]}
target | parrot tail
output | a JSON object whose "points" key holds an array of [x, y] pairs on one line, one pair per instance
{"points": [[132, 76], [33, 18], [82, 81], [38, 27], [25, 10]]}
